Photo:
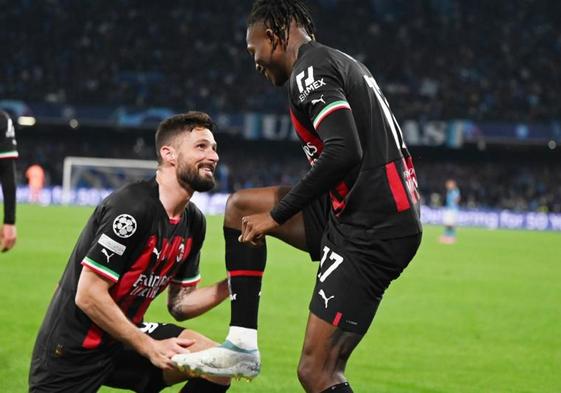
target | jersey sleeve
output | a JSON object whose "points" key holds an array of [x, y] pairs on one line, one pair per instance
{"points": [[317, 87], [8, 179], [122, 224], [189, 273], [8, 144]]}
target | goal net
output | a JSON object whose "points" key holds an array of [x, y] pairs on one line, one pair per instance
{"points": [[102, 173]]}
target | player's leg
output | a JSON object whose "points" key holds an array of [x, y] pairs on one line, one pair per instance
{"points": [[324, 357], [51, 374], [215, 384], [245, 264], [350, 284], [260, 200], [238, 356], [134, 372], [449, 221]]}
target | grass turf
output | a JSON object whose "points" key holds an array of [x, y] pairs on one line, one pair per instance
{"points": [[479, 316]]}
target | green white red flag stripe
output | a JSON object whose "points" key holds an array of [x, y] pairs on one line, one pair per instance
{"points": [[100, 269], [9, 154], [334, 106], [187, 282]]}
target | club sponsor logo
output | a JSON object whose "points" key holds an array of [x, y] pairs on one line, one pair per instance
{"points": [[148, 286], [181, 252], [124, 226], [111, 245], [307, 83], [311, 152], [411, 183]]}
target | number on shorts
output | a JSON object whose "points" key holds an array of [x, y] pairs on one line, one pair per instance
{"points": [[148, 327], [336, 258]]}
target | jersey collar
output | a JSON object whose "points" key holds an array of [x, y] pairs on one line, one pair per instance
{"points": [[306, 47]]}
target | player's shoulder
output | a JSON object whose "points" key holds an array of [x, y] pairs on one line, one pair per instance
{"points": [[195, 215], [313, 54], [322, 56], [138, 197]]}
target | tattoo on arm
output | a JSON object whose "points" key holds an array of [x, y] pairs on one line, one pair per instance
{"points": [[175, 298]]}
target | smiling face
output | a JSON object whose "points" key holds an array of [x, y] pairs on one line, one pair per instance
{"points": [[196, 159], [268, 52]]}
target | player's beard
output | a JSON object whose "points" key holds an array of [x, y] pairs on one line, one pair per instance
{"points": [[188, 176]]}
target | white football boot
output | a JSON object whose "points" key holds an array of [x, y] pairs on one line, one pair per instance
{"points": [[225, 360]]}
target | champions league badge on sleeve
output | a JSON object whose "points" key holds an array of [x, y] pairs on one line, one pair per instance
{"points": [[124, 226]]}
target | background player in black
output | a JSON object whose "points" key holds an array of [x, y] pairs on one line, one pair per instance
{"points": [[357, 209], [8, 155], [139, 240]]}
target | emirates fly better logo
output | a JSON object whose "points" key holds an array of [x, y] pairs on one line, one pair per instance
{"points": [[124, 226]]}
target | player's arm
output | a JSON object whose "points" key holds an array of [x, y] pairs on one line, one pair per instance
{"points": [[8, 179], [186, 302], [93, 298], [341, 153]]}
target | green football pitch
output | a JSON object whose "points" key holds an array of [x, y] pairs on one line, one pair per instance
{"points": [[483, 315]]}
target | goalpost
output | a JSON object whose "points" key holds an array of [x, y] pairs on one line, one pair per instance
{"points": [[102, 173]]}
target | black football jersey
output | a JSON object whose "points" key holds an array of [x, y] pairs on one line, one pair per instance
{"points": [[8, 144], [381, 193], [130, 241]]}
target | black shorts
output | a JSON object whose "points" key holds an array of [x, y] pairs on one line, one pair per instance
{"points": [[355, 268], [124, 368], [316, 215]]}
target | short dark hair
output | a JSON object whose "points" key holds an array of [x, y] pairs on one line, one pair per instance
{"points": [[277, 15], [173, 126]]}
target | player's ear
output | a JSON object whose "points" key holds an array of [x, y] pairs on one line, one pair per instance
{"points": [[168, 154], [272, 38]]}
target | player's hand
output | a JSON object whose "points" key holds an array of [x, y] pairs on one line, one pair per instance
{"points": [[161, 351], [8, 237], [255, 227]]}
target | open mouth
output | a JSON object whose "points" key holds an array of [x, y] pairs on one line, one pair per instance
{"points": [[207, 169]]}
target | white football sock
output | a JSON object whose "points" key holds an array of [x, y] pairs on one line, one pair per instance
{"points": [[244, 338]]}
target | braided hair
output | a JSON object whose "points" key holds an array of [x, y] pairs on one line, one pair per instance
{"points": [[277, 15]]}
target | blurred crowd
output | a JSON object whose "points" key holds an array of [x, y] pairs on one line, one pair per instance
{"points": [[502, 179], [499, 185], [436, 59]]}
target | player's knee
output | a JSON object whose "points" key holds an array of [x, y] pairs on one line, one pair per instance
{"points": [[305, 374], [235, 206], [242, 203], [310, 373], [316, 371]]}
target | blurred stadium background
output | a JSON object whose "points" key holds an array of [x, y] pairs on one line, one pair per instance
{"points": [[475, 86]]}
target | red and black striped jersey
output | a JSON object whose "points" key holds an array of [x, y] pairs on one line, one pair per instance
{"points": [[380, 192], [130, 241]]}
